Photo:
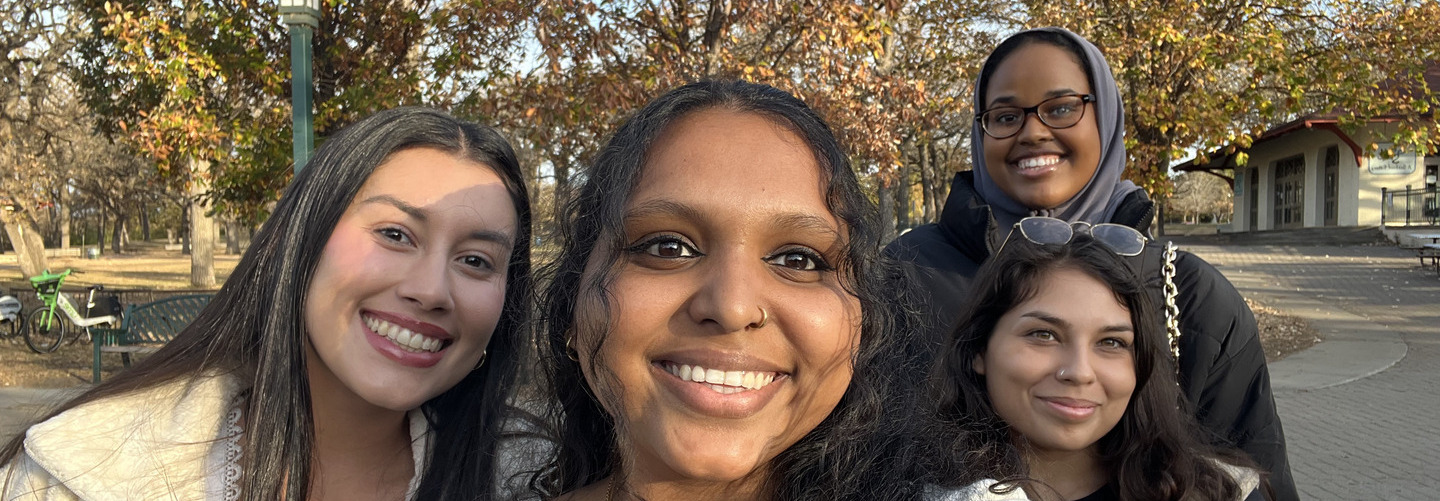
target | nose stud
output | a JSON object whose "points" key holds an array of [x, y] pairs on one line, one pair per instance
{"points": [[1060, 374]]}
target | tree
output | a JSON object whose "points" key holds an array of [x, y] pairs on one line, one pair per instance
{"points": [[35, 37], [1213, 73], [1200, 193], [200, 88]]}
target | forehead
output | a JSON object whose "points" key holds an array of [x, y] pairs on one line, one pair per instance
{"points": [[1034, 70], [731, 160], [430, 178]]}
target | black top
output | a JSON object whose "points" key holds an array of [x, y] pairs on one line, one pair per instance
{"points": [[1222, 365], [1106, 493]]}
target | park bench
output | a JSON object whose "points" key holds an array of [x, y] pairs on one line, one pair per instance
{"points": [[147, 327]]}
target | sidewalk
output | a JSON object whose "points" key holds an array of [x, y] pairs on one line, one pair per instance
{"points": [[1359, 409]]}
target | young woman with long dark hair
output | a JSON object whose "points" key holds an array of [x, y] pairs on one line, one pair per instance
{"points": [[1058, 382], [363, 348], [714, 325]]}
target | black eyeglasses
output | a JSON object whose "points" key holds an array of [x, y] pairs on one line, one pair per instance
{"points": [[1120, 239], [1061, 112]]}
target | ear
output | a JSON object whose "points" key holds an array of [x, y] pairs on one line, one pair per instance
{"points": [[979, 364]]}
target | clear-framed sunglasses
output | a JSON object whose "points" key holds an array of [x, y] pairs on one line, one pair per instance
{"points": [[1120, 239], [1060, 112]]}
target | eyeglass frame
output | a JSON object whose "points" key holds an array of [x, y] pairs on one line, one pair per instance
{"points": [[1089, 230], [1025, 113]]}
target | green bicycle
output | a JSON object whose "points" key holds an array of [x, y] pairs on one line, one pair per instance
{"points": [[46, 328]]}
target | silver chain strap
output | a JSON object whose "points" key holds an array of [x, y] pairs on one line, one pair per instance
{"points": [[1172, 311]]}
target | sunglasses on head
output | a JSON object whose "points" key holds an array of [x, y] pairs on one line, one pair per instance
{"points": [[1120, 239]]}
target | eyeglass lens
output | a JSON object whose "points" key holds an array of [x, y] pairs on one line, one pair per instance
{"points": [[1057, 113], [1120, 239]]}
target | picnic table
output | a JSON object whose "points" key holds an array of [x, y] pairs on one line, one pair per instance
{"points": [[1430, 251]]}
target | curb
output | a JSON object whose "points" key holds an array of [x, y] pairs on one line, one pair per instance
{"points": [[1353, 347]]}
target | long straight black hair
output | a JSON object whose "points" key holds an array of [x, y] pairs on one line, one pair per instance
{"points": [[254, 327], [1150, 454], [856, 452]]}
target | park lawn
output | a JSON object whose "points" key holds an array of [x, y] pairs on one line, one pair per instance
{"points": [[148, 267]]}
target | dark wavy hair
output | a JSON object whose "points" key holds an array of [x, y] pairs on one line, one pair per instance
{"points": [[1151, 454], [254, 328], [857, 450]]}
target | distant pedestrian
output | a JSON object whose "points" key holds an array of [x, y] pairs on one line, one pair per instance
{"points": [[1066, 161]]}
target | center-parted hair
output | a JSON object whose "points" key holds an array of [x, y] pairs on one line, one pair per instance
{"points": [[855, 452], [1150, 454], [254, 328]]}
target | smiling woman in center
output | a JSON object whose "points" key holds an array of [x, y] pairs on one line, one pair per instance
{"points": [[717, 296]]}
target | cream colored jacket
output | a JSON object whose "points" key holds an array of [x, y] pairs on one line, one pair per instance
{"points": [[151, 445]]}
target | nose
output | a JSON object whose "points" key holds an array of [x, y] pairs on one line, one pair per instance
{"points": [[1032, 130], [1076, 368], [728, 298], [426, 283]]}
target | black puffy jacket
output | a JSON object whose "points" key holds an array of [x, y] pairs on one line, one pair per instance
{"points": [[1222, 365]]}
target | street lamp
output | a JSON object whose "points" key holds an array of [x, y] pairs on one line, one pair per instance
{"points": [[303, 18]]}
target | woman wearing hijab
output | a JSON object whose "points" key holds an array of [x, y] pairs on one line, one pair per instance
{"points": [[1066, 162]]}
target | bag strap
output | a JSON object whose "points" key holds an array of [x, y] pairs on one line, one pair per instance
{"points": [[1172, 311]]}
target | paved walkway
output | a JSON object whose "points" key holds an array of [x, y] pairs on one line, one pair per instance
{"points": [[1361, 410]]}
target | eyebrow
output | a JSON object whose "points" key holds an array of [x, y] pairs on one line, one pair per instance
{"points": [[1052, 319], [419, 214], [792, 220], [1010, 100]]}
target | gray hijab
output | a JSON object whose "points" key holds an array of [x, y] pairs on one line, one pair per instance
{"points": [[1097, 201]]}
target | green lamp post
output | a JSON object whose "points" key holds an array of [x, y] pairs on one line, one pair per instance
{"points": [[303, 18]]}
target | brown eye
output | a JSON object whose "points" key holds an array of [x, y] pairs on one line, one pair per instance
{"points": [[665, 247], [670, 249], [799, 260]]}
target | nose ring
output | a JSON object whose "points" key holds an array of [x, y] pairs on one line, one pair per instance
{"points": [[1060, 374], [764, 318]]}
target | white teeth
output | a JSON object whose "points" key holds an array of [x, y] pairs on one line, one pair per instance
{"points": [[402, 337], [723, 382], [1032, 162]]}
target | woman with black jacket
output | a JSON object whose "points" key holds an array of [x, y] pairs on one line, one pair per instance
{"points": [[1067, 162]]}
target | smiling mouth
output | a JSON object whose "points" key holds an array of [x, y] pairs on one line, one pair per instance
{"points": [[723, 382], [406, 339], [1037, 162]]}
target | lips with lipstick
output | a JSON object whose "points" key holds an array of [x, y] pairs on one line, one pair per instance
{"points": [[404, 338]]}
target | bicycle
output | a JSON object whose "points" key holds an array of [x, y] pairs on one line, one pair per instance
{"points": [[46, 328]]}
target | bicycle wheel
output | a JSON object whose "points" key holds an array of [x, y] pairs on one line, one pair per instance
{"points": [[38, 337]]}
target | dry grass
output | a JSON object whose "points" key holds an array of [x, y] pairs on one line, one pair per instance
{"points": [[148, 266]]}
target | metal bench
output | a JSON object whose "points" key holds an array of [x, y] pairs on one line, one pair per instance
{"points": [[147, 327]]}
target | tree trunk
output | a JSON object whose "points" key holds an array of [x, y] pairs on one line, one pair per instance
{"points": [[887, 209], [144, 222], [202, 229], [100, 229], [185, 229], [927, 183], [232, 237], [117, 234], [25, 238], [902, 196], [62, 219]]}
